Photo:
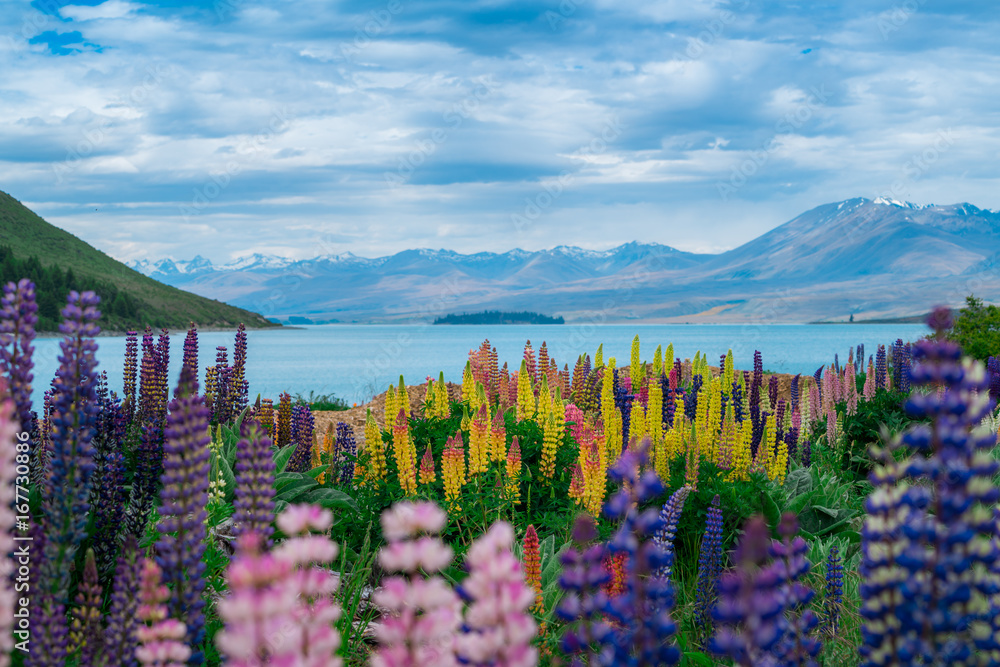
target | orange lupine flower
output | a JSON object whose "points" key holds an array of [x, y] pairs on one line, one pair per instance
{"points": [[533, 567]]}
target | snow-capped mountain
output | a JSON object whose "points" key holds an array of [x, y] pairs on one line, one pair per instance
{"points": [[870, 258]]}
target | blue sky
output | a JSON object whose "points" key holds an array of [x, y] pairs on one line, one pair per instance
{"points": [[299, 128]]}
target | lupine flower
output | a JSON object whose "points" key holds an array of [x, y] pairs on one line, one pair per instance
{"points": [[426, 472], [18, 317], [240, 387], [110, 507], [993, 367], [8, 473], [533, 566], [183, 497], [423, 611], [280, 609], [797, 646], [149, 454], [65, 504], [749, 603], [375, 448], [834, 591], [303, 426], [577, 486], [498, 438], [947, 557], [497, 629], [550, 444], [284, 424], [131, 368], [86, 635], [119, 637], [709, 567], [880, 368], [347, 450], [453, 468], [643, 611], [513, 469], [587, 636], [665, 534], [161, 638], [615, 565], [254, 493], [405, 454]]}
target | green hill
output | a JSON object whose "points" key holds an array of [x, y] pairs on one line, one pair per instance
{"points": [[58, 261]]}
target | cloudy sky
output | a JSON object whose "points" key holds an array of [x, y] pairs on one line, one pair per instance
{"points": [[306, 127]]}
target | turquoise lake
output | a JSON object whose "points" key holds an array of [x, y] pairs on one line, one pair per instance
{"points": [[355, 361]]}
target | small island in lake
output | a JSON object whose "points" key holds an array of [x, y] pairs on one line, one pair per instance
{"points": [[498, 317]]}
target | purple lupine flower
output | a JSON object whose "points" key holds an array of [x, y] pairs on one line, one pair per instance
{"points": [[109, 509], [750, 602], [880, 368], [737, 392], [582, 578], [993, 366], [8, 474], [131, 369], [772, 391], [254, 502], [149, 454], [934, 531], [644, 627], [755, 414], [691, 398], [189, 365], [670, 514], [65, 503], [223, 376], [623, 401], [795, 392], [183, 497], [797, 647], [709, 567], [240, 389], [347, 449], [18, 317], [302, 439], [834, 591]]}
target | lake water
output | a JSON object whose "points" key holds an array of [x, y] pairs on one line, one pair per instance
{"points": [[356, 361]]}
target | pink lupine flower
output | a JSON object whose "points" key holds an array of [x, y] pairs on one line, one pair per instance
{"points": [[500, 627], [407, 519], [298, 519], [422, 611], [850, 389], [161, 639], [574, 415], [8, 429], [869, 391], [280, 610]]}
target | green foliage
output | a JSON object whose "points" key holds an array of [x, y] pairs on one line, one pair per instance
{"points": [[321, 402], [977, 329], [498, 317]]}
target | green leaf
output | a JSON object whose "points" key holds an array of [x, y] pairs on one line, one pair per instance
{"points": [[281, 458], [798, 481], [770, 509], [697, 658], [295, 488], [230, 479], [329, 498], [317, 471]]}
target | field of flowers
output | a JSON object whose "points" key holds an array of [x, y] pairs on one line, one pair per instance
{"points": [[654, 512]]}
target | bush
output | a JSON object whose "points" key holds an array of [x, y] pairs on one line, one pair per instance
{"points": [[977, 329]]}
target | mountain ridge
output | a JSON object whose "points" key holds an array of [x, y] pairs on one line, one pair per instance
{"points": [[869, 258]]}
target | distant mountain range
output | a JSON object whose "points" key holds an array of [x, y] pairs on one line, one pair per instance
{"points": [[873, 259]]}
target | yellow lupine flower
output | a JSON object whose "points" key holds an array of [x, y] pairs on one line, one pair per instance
{"points": [[525, 394], [637, 423], [391, 408], [550, 443], [479, 442], [468, 385], [692, 461], [403, 398], [498, 438], [426, 472], [599, 356], [727, 373], [453, 470], [405, 454], [514, 470], [544, 401], [658, 362], [376, 450], [441, 399], [635, 366]]}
